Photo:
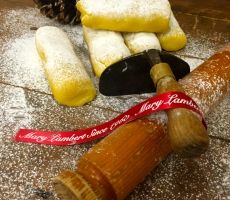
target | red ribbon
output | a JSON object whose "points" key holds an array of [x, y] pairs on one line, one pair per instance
{"points": [[157, 103]]}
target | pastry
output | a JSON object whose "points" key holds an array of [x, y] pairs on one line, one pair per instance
{"points": [[174, 38], [138, 42], [68, 80], [105, 48], [125, 15]]}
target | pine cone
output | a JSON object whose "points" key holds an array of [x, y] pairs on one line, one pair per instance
{"points": [[62, 10]]}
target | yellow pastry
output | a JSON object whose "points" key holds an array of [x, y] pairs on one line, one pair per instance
{"points": [[105, 48], [67, 77], [125, 15], [173, 39], [138, 42]]}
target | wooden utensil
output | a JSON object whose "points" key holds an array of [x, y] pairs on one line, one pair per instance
{"points": [[188, 136]]}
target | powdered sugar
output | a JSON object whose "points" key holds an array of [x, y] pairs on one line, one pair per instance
{"points": [[102, 55], [174, 30], [125, 15], [175, 178], [138, 42], [210, 80], [20, 55], [125, 8]]}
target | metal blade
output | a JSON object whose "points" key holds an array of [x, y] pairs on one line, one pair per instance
{"points": [[132, 74]]}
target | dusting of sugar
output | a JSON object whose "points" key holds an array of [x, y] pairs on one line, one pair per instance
{"points": [[200, 46], [213, 86], [220, 123], [141, 41], [65, 72], [193, 62], [27, 167], [125, 8], [174, 30], [102, 54], [20, 57], [176, 177], [27, 170]]}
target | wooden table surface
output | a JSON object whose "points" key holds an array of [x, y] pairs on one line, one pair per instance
{"points": [[26, 170]]}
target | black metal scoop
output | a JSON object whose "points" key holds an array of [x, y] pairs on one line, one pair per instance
{"points": [[131, 75]]}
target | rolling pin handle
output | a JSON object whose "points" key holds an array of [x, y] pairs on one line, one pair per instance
{"points": [[188, 136]]}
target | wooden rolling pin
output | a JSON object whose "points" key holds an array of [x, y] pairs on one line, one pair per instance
{"points": [[113, 167]]}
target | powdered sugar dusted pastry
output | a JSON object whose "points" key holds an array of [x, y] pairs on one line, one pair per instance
{"points": [[105, 48], [138, 42], [173, 39], [68, 80], [125, 15]]}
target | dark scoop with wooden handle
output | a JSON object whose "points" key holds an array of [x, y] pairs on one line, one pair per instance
{"points": [[131, 74], [188, 136]]}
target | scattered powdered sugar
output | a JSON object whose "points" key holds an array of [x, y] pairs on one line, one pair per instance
{"points": [[27, 170], [193, 63], [20, 55], [200, 46], [176, 177], [220, 122]]}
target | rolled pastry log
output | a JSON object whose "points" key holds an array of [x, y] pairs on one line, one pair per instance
{"points": [[125, 15], [174, 38], [67, 77], [105, 48], [138, 42], [114, 166]]}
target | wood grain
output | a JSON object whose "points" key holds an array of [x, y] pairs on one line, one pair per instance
{"points": [[212, 8]]}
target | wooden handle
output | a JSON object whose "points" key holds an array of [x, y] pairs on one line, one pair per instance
{"points": [[188, 135]]}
